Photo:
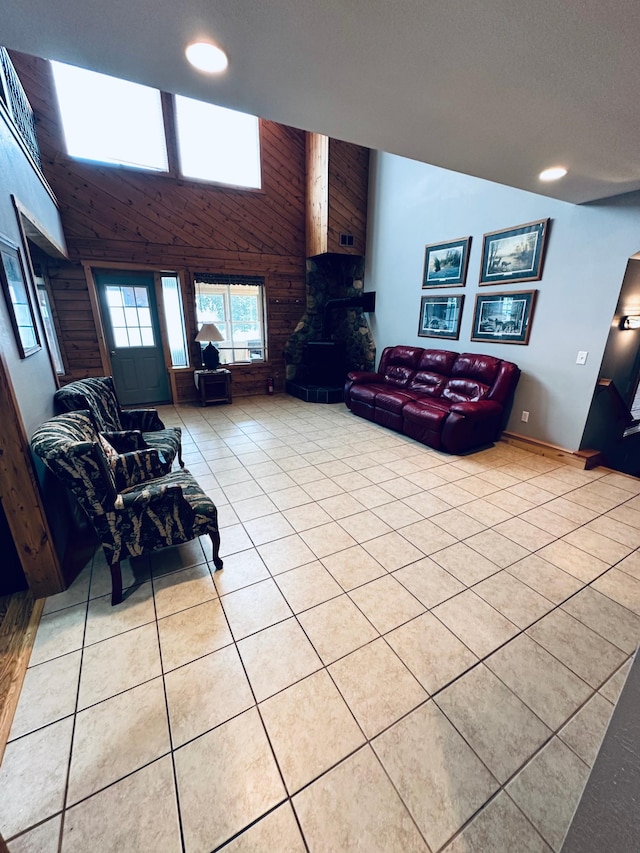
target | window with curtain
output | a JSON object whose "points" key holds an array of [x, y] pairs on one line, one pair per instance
{"points": [[235, 304]]}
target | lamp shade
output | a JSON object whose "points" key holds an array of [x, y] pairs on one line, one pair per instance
{"points": [[209, 332]]}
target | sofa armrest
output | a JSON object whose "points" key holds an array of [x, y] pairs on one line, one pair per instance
{"points": [[364, 376], [480, 409], [146, 420]]}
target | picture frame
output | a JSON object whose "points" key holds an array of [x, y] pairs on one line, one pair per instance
{"points": [[445, 264], [440, 317], [503, 318], [16, 292], [514, 254]]}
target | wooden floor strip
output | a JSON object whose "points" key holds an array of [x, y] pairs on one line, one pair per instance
{"points": [[19, 619]]}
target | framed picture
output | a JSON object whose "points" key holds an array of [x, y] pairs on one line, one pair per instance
{"points": [[503, 318], [16, 292], [445, 264], [514, 255], [440, 317]]}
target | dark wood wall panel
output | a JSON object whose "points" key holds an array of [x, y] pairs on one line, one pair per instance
{"points": [[348, 189], [115, 215]]}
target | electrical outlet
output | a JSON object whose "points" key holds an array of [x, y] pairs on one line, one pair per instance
{"points": [[582, 357], [524, 417]]}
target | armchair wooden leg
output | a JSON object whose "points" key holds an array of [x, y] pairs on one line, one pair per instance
{"points": [[215, 541], [116, 584]]}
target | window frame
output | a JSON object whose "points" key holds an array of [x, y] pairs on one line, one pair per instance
{"points": [[226, 281]]}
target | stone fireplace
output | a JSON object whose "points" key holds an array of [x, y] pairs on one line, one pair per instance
{"points": [[333, 335]]}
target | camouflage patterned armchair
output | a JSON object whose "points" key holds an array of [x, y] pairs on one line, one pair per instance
{"points": [[130, 513], [98, 395]]}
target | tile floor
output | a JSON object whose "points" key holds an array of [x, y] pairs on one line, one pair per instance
{"points": [[405, 651]]}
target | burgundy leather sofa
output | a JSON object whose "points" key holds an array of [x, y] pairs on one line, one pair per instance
{"points": [[449, 401]]}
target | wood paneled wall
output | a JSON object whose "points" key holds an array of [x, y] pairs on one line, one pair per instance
{"points": [[115, 215]]}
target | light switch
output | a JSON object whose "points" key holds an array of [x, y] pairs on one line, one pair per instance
{"points": [[582, 357]]}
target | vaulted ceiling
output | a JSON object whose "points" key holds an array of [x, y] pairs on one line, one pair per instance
{"points": [[499, 89]]}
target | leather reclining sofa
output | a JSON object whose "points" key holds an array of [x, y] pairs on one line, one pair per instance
{"points": [[446, 400]]}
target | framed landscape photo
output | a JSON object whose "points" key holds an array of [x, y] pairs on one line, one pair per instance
{"points": [[516, 254], [16, 292], [503, 318], [445, 264], [440, 317]]}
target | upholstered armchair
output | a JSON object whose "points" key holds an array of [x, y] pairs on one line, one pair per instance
{"points": [[98, 395], [131, 513]]}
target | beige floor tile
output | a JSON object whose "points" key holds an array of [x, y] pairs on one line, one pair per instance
{"points": [[630, 565], [399, 487], [310, 728], [534, 495], [327, 539], [135, 571], [193, 633], [427, 480], [606, 617], [33, 776], [509, 502], [476, 623], [500, 728], [578, 647], [397, 514], [274, 482], [104, 620], [386, 603], [240, 570], [478, 487], [77, 593], [307, 516], [622, 481], [340, 506], [320, 489], [602, 547], [377, 686], [237, 492], [364, 525], [431, 652], [44, 838], [620, 532], [49, 693], [527, 535], [612, 687], [598, 497], [497, 548], [551, 483], [226, 516], [428, 536], [545, 578], [129, 659], [234, 539], [255, 507], [290, 497], [353, 567], [548, 790], [205, 693], [430, 583], [372, 496], [626, 514], [620, 587], [549, 521], [452, 494], [457, 523], [376, 820], [59, 633], [544, 684], [307, 586], [285, 554], [226, 779], [514, 599], [393, 551], [500, 828], [467, 565], [378, 473], [116, 737], [485, 512], [147, 816], [277, 657], [337, 628], [177, 557], [571, 511], [584, 733], [440, 779], [426, 504], [180, 590], [267, 528], [255, 607], [277, 831], [572, 560]]}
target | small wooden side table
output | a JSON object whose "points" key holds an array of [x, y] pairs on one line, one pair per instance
{"points": [[214, 386]]}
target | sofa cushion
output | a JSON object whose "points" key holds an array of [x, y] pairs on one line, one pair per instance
{"points": [[439, 361], [464, 390], [393, 401], [483, 368], [367, 393], [398, 375], [426, 414], [427, 383]]}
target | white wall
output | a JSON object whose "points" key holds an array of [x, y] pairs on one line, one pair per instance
{"points": [[588, 247]]}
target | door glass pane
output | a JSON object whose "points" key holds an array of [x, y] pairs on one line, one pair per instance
{"points": [[135, 339], [142, 297], [114, 296], [175, 320], [129, 296], [144, 316], [120, 337], [128, 322], [147, 337]]}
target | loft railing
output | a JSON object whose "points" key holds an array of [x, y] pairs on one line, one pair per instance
{"points": [[18, 106]]}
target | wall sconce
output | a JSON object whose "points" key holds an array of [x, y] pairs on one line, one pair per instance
{"points": [[210, 355], [631, 321]]}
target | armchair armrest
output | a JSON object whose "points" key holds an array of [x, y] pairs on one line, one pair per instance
{"points": [[146, 420], [480, 409], [126, 440], [161, 497], [364, 376]]}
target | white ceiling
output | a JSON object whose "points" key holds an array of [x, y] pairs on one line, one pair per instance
{"points": [[499, 89]]}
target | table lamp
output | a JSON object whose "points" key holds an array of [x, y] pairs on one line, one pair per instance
{"points": [[210, 355]]}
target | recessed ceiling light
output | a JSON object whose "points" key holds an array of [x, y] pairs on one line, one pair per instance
{"points": [[207, 57], [553, 174]]}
